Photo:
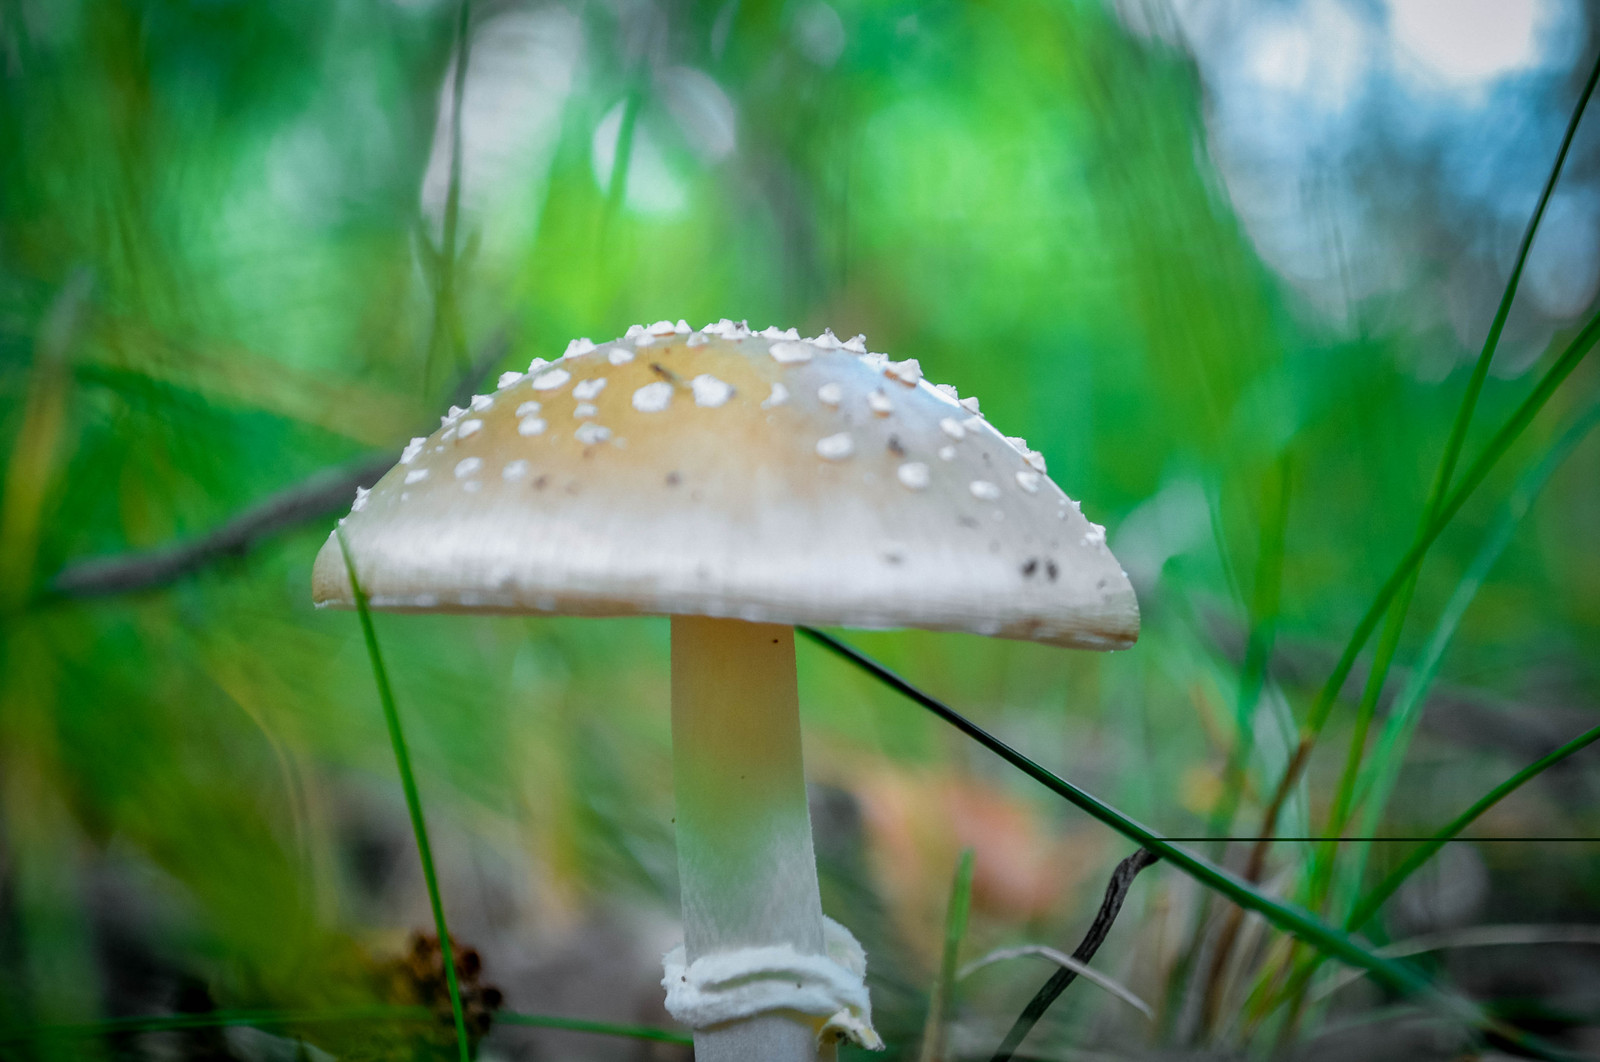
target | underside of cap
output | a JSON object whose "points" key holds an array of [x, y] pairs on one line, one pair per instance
{"points": [[724, 473]]}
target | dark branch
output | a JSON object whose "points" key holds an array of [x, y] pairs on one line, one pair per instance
{"points": [[1116, 892], [316, 496]]}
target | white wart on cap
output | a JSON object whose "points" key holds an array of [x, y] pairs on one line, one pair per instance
{"points": [[682, 487]]}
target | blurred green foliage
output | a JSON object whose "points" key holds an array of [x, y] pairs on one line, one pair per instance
{"points": [[220, 251]]}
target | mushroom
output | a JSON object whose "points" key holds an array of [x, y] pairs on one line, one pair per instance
{"points": [[740, 483]]}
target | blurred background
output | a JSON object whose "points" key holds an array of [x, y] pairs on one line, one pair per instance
{"points": [[1226, 264]]}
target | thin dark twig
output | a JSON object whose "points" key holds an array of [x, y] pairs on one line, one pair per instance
{"points": [[1116, 891], [318, 494], [315, 496]]}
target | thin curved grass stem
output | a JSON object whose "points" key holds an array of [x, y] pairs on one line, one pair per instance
{"points": [[1369, 904], [1499, 936], [408, 782], [1066, 962], [1306, 967], [1264, 608], [941, 1001]]}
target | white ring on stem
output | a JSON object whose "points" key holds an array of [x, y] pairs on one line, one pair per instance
{"points": [[729, 986]]}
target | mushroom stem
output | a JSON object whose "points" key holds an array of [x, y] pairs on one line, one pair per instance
{"points": [[746, 868]]}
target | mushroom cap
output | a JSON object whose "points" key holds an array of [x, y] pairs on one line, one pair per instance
{"points": [[724, 473]]}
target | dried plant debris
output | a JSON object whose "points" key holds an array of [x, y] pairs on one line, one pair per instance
{"points": [[417, 978]]}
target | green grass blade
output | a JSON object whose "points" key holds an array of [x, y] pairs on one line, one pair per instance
{"points": [[1389, 641], [1398, 596], [1422, 853], [1493, 451], [1469, 401], [1458, 431], [1378, 779], [1374, 899], [277, 1019], [1340, 809], [597, 1028], [1286, 917], [955, 927], [214, 1019], [1264, 606], [408, 782], [1400, 977]]}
